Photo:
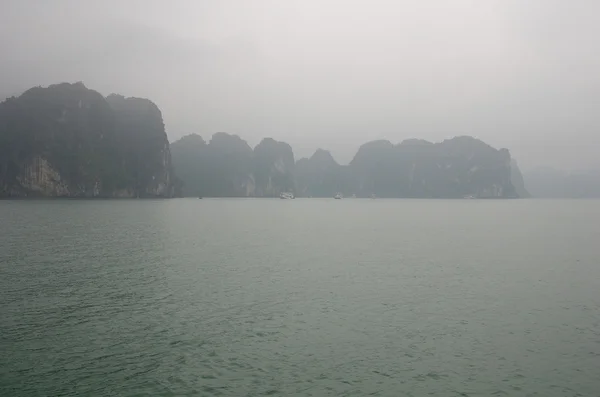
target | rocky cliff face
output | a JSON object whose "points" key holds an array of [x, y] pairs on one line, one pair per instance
{"points": [[455, 168], [458, 167], [221, 168], [321, 176], [228, 167], [38, 176], [273, 168], [144, 146], [68, 141], [516, 178], [188, 161]]}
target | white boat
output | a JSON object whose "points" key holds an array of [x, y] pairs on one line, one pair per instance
{"points": [[286, 196], [338, 196]]}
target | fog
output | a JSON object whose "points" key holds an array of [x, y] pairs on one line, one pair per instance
{"points": [[332, 74]]}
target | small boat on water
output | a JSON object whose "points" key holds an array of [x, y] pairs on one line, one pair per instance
{"points": [[286, 196], [338, 196]]}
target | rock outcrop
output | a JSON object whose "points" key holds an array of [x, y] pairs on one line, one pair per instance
{"points": [[321, 176], [516, 178], [144, 146], [221, 168], [228, 167], [455, 168], [273, 169], [69, 141], [187, 154]]}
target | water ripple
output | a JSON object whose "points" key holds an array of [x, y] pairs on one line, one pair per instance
{"points": [[254, 298]]}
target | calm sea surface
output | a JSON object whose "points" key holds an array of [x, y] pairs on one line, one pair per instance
{"points": [[253, 297]]}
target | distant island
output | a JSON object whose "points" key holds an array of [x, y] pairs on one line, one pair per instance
{"points": [[461, 167], [69, 141]]}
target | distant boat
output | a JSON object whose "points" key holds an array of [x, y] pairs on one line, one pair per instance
{"points": [[200, 198], [286, 196], [373, 196], [338, 196], [354, 196], [469, 197]]}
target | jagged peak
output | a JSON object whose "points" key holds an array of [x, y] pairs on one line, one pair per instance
{"points": [[271, 142], [268, 140], [72, 87], [225, 135], [77, 85], [73, 94], [224, 140], [121, 100], [191, 139], [382, 143], [274, 146], [366, 149], [134, 105], [466, 142], [414, 141], [116, 97], [464, 139], [322, 153], [323, 156]]}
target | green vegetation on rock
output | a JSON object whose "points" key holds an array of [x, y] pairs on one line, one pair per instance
{"points": [[455, 168], [68, 141], [228, 167]]}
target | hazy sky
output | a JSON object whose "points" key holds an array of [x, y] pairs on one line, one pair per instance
{"points": [[316, 73]]}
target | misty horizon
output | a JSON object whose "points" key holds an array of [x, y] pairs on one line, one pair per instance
{"points": [[299, 198], [330, 75]]}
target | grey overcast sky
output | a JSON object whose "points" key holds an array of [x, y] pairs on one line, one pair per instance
{"points": [[331, 73]]}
